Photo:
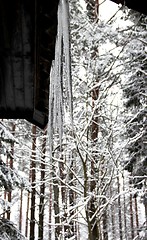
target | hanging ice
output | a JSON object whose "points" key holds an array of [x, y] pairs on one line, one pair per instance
{"points": [[60, 77]]}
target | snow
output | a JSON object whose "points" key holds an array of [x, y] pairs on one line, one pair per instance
{"points": [[5, 134], [60, 98]]}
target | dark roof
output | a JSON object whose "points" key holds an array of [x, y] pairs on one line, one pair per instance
{"points": [[28, 31], [137, 5], [27, 42]]}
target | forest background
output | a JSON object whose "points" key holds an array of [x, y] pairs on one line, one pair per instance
{"points": [[84, 177]]}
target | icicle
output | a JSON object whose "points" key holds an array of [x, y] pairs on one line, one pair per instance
{"points": [[50, 117], [57, 66], [56, 77], [66, 43]]}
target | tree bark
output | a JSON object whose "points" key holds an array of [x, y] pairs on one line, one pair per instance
{"points": [[112, 212], [119, 210], [56, 201], [33, 178], [28, 206], [65, 228], [125, 211], [56, 210], [131, 216], [94, 135], [20, 210], [72, 201], [136, 215], [42, 191], [27, 214], [50, 212], [11, 166]]}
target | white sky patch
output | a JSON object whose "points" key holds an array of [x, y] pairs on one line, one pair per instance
{"points": [[107, 9], [83, 4]]}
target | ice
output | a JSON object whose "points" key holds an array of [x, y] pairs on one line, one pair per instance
{"points": [[60, 92]]}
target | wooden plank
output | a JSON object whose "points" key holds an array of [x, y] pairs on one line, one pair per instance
{"points": [[28, 22]]}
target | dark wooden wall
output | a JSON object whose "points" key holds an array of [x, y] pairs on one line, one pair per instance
{"points": [[27, 45]]}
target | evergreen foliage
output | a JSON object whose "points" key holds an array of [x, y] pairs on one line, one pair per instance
{"points": [[135, 90], [80, 189], [9, 180], [8, 231]]}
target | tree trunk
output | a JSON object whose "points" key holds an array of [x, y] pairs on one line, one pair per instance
{"points": [[145, 208], [11, 166], [131, 216], [6, 195], [50, 212], [94, 135], [56, 201], [112, 214], [4, 210], [33, 178], [146, 214], [20, 210], [119, 210], [136, 215], [105, 222], [56, 210], [93, 11], [27, 214], [90, 236], [72, 201], [125, 211], [28, 206], [65, 228], [42, 191]]}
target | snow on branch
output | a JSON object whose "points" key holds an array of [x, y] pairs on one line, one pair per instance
{"points": [[8, 231], [5, 134]]}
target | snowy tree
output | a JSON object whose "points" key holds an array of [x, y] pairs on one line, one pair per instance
{"points": [[94, 121], [80, 170], [135, 103], [8, 231], [134, 90], [10, 178]]}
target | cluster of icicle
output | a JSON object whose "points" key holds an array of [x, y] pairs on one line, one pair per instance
{"points": [[60, 77]]}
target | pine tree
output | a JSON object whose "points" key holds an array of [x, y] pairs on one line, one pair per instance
{"points": [[9, 180], [42, 191], [135, 104], [33, 179], [134, 91]]}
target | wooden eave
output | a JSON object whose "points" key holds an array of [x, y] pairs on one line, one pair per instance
{"points": [[28, 31], [27, 45]]}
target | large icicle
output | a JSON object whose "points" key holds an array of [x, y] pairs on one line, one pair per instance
{"points": [[60, 75], [67, 53]]}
